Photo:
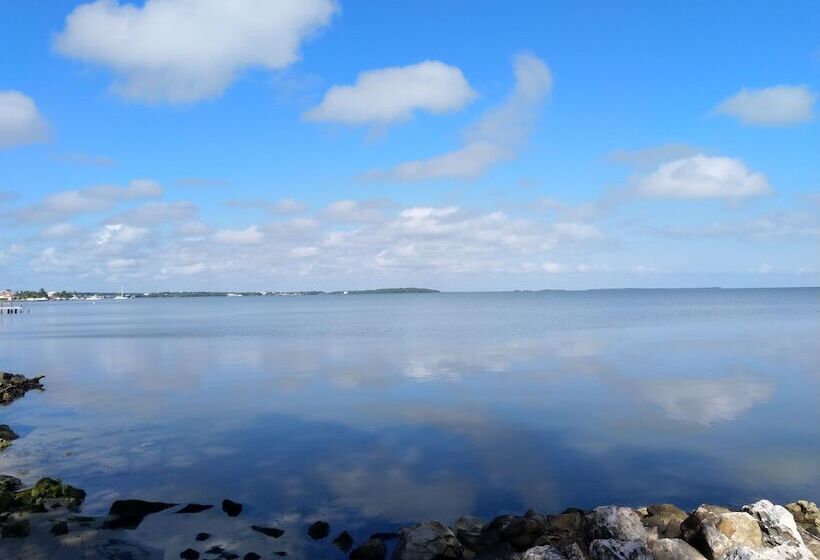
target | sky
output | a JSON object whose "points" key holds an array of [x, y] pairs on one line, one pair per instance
{"points": [[321, 144]]}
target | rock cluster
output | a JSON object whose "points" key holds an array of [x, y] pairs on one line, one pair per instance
{"points": [[761, 531], [13, 386], [46, 494]]}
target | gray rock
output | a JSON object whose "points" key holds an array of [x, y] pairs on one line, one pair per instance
{"points": [[812, 542], [696, 518], [674, 549], [468, 523], [781, 552], [613, 522], [611, 549], [741, 528], [806, 515], [665, 518], [567, 528], [546, 552], [427, 541], [374, 549], [776, 522]]}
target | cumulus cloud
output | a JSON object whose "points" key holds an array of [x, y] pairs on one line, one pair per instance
{"points": [[188, 50], [773, 106], [388, 95], [65, 204], [497, 135], [20, 120], [702, 176]]}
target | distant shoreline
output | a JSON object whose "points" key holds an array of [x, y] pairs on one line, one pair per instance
{"points": [[96, 296]]}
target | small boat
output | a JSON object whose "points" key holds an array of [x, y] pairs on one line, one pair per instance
{"points": [[122, 293]]}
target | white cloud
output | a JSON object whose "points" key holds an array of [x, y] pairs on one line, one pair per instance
{"points": [[496, 137], [248, 236], [702, 176], [20, 121], [188, 50], [69, 203], [773, 106], [353, 211], [388, 95], [159, 212], [762, 268], [283, 207]]}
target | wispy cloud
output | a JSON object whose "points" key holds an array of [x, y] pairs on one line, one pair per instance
{"points": [[496, 137]]}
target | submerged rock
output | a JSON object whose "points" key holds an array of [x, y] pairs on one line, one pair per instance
{"points": [[251, 556], [60, 528], [16, 529], [318, 530], [231, 508], [128, 514], [189, 554], [202, 537], [194, 508], [269, 531], [343, 542], [428, 541], [373, 549]]}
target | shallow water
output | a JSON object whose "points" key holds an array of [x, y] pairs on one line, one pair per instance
{"points": [[374, 410]]}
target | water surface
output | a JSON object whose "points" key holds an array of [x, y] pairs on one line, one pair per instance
{"points": [[375, 410]]}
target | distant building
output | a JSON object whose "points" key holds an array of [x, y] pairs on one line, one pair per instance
{"points": [[6, 295]]}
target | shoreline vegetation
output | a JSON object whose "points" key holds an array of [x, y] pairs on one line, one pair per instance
{"points": [[44, 521]]}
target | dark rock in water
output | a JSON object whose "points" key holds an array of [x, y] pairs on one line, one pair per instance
{"points": [[280, 553], [612, 549], [16, 529], [13, 386], [251, 556], [7, 435], [318, 530], [10, 483], [128, 514], [430, 539], [344, 541], [189, 554], [194, 508], [48, 490], [202, 537], [373, 549], [216, 549], [269, 531], [231, 508], [229, 556], [117, 549], [60, 528]]}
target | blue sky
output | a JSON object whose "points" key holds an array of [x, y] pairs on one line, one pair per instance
{"points": [[172, 144]]}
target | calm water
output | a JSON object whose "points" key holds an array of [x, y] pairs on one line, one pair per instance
{"points": [[374, 410]]}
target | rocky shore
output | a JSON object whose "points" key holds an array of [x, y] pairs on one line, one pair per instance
{"points": [[43, 521]]}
